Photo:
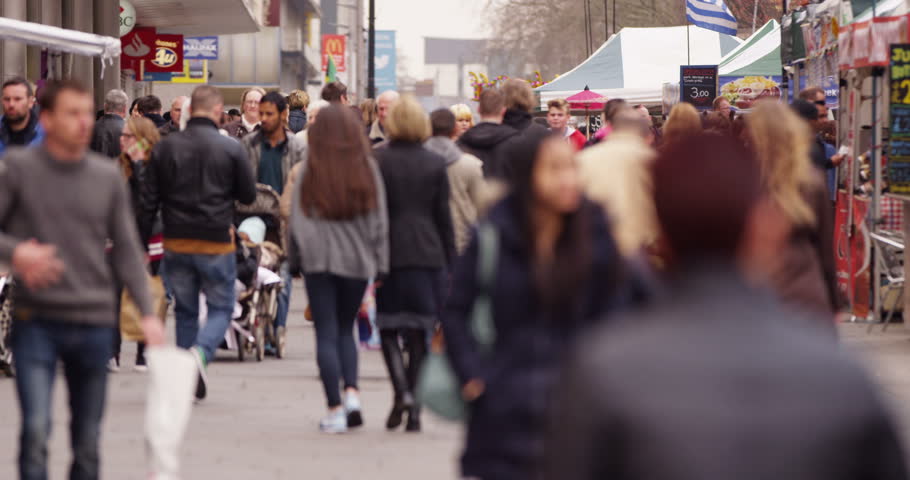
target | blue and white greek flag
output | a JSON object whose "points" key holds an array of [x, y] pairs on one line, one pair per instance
{"points": [[712, 15]]}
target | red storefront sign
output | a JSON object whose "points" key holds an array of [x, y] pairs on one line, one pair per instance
{"points": [[136, 46], [168, 54], [334, 45]]}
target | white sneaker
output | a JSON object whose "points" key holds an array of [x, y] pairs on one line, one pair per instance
{"points": [[352, 410], [113, 366], [334, 422]]}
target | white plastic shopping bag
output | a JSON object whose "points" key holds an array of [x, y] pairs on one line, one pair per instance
{"points": [[172, 375]]}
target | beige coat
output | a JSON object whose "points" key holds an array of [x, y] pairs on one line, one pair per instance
{"points": [[616, 175], [287, 196], [467, 185]]}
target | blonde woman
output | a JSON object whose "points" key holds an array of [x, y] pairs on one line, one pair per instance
{"points": [[464, 119], [421, 247], [616, 174], [138, 138], [804, 276], [684, 121]]}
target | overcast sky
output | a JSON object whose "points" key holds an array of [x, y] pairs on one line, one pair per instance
{"points": [[416, 19]]}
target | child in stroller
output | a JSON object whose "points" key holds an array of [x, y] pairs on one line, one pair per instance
{"points": [[259, 261]]}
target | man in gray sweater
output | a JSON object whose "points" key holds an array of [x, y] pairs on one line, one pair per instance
{"points": [[60, 206]]}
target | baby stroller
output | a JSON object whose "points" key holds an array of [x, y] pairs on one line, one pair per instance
{"points": [[261, 233], [6, 323]]}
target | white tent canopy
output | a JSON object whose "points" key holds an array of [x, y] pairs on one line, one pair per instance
{"points": [[634, 63], [60, 39]]}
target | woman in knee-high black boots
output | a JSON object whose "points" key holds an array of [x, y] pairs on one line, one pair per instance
{"points": [[421, 243]]}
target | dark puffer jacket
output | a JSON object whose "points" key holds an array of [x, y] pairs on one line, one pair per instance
{"points": [[506, 432]]}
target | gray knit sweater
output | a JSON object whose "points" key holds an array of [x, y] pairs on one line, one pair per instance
{"points": [[357, 248], [77, 207]]}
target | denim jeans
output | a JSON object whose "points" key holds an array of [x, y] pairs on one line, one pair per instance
{"points": [[334, 301], [38, 344], [188, 275], [284, 296]]}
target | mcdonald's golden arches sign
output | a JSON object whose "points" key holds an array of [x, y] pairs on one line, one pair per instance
{"points": [[334, 45]]}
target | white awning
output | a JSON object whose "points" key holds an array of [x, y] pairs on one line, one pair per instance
{"points": [[200, 17], [60, 39]]}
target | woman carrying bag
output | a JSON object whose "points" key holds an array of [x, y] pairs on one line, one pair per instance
{"points": [[554, 270], [137, 140], [422, 244]]}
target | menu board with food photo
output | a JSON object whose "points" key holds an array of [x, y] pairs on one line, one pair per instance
{"points": [[743, 92]]}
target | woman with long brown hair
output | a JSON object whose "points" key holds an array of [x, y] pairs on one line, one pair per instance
{"points": [[804, 276], [339, 231], [138, 138]]}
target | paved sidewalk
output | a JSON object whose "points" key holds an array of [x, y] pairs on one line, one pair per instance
{"points": [[260, 421]]}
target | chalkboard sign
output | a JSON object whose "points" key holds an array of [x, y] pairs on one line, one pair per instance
{"points": [[899, 139], [698, 85]]}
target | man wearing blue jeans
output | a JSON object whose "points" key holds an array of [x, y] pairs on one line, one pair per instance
{"points": [[194, 177], [59, 207], [273, 151]]}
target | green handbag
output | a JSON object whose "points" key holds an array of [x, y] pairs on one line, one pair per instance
{"points": [[438, 388]]}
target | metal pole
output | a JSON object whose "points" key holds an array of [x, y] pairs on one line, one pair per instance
{"points": [[614, 16], [875, 211], [587, 29], [606, 23], [688, 52], [371, 54], [754, 15]]}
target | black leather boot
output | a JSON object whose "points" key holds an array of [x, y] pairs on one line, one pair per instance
{"points": [[394, 361], [417, 352]]}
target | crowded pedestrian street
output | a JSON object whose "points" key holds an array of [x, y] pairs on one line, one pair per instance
{"points": [[458, 239], [260, 426]]}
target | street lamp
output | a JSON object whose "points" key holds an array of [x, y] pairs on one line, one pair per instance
{"points": [[371, 52]]}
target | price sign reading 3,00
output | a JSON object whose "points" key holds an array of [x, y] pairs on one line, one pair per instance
{"points": [[697, 93], [698, 85]]}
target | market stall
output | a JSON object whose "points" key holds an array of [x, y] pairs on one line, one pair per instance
{"points": [[635, 63], [851, 43]]}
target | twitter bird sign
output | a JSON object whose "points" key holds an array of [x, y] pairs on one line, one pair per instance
{"points": [[386, 61]]}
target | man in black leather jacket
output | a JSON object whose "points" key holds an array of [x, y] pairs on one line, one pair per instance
{"points": [[194, 177], [106, 135]]}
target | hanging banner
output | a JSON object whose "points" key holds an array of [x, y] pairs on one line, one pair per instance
{"points": [[899, 140], [335, 46], [386, 61], [138, 44], [200, 48], [698, 85], [168, 54], [743, 92], [271, 13]]}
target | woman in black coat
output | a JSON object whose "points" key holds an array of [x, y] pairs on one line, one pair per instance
{"points": [[557, 272], [421, 244]]}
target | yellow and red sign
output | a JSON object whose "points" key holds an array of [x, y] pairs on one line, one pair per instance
{"points": [[336, 46]]}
